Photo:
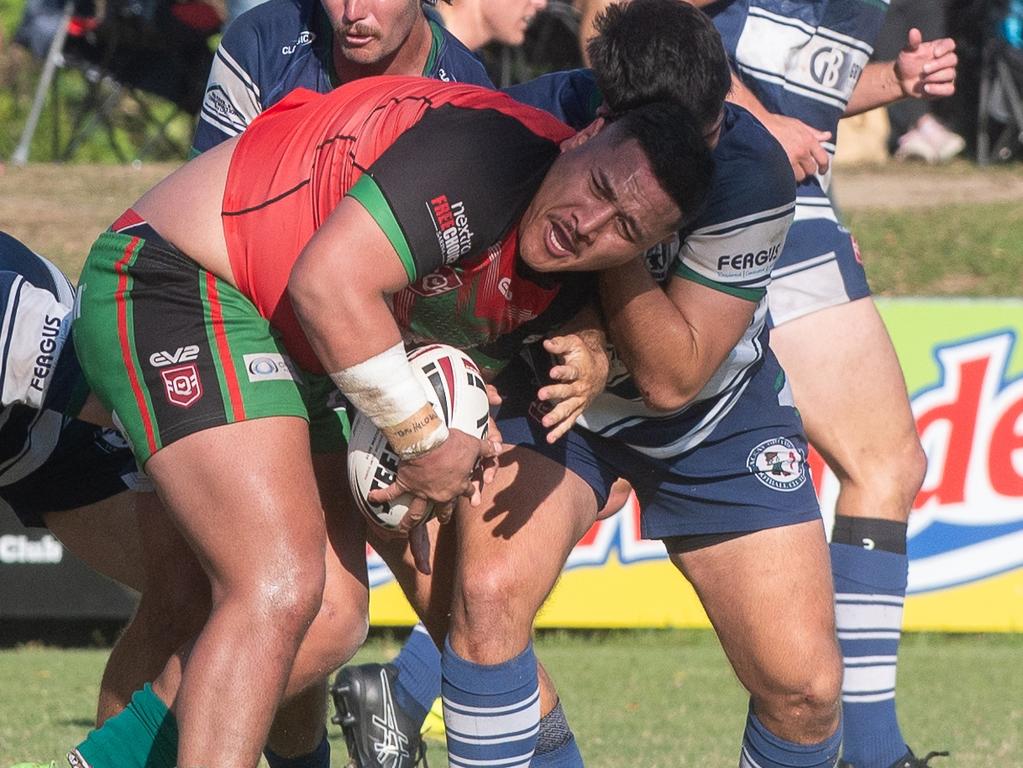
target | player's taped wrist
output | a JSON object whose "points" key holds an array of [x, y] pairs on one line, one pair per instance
{"points": [[386, 390]]}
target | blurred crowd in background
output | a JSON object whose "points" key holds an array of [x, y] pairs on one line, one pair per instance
{"points": [[983, 121]]}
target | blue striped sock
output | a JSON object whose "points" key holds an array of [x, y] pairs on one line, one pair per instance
{"points": [[870, 589], [762, 749], [565, 756], [491, 712], [418, 666]]}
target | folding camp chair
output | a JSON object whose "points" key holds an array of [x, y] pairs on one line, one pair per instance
{"points": [[1000, 106], [126, 56]]}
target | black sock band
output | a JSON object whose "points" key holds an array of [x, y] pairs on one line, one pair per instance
{"points": [[554, 731], [870, 533]]}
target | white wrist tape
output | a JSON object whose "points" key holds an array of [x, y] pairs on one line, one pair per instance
{"points": [[385, 388]]}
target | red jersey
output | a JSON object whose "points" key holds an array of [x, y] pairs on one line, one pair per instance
{"points": [[446, 169]]}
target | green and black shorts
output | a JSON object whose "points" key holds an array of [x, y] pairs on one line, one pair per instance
{"points": [[172, 350]]}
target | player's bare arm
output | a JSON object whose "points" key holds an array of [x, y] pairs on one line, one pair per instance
{"points": [[922, 70], [801, 142], [671, 340], [340, 296]]}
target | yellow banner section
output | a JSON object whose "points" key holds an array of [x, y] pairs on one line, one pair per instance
{"points": [[964, 368], [654, 594]]}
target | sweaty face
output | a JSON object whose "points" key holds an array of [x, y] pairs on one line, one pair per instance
{"points": [[506, 20], [367, 31], [599, 206]]}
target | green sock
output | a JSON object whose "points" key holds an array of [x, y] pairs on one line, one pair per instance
{"points": [[144, 735]]}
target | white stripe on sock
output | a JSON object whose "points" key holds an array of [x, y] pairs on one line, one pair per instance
{"points": [[867, 698], [857, 660], [859, 597], [868, 616], [869, 635], [746, 759], [499, 721], [872, 679]]}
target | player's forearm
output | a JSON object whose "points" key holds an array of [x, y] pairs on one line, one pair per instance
{"points": [[343, 327], [651, 337], [878, 86]]}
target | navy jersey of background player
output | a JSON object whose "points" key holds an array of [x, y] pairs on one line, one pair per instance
{"points": [[48, 461], [39, 373], [801, 59], [282, 45], [731, 247]]}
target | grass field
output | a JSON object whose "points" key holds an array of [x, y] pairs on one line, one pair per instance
{"points": [[654, 699]]}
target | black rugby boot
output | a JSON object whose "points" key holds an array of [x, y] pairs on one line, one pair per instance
{"points": [[378, 733]]}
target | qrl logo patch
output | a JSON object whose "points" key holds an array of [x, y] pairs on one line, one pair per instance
{"points": [[778, 464], [434, 284], [182, 385]]}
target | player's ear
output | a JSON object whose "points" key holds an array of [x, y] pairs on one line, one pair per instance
{"points": [[584, 135]]}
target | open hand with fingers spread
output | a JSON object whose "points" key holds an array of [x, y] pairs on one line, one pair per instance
{"points": [[578, 377]]}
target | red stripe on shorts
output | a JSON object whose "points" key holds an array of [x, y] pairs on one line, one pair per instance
{"points": [[122, 334], [234, 391]]}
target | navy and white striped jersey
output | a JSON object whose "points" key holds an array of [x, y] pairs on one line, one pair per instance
{"points": [[731, 248], [281, 45], [801, 59], [37, 381]]}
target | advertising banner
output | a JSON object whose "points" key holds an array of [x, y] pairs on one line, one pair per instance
{"points": [[963, 362], [39, 579]]}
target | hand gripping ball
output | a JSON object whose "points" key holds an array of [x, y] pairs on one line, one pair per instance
{"points": [[455, 388]]}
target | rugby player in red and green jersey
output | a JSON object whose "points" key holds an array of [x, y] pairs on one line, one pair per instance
{"points": [[335, 227]]}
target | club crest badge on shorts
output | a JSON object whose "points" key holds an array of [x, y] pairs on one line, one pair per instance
{"points": [[778, 464], [182, 384]]}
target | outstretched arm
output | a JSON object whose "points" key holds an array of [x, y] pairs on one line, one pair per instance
{"points": [[922, 70]]}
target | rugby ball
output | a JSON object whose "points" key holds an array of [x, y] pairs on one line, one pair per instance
{"points": [[455, 388]]}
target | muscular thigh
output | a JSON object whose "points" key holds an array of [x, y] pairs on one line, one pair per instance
{"points": [[521, 535], [848, 385], [244, 496], [769, 596]]}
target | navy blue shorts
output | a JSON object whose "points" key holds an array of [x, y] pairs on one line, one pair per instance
{"points": [[750, 473], [88, 465], [819, 267]]}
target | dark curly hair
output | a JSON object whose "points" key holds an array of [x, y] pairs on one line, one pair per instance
{"points": [[667, 50]]}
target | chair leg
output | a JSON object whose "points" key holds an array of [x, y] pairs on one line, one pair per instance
{"points": [[96, 109], [983, 115]]}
